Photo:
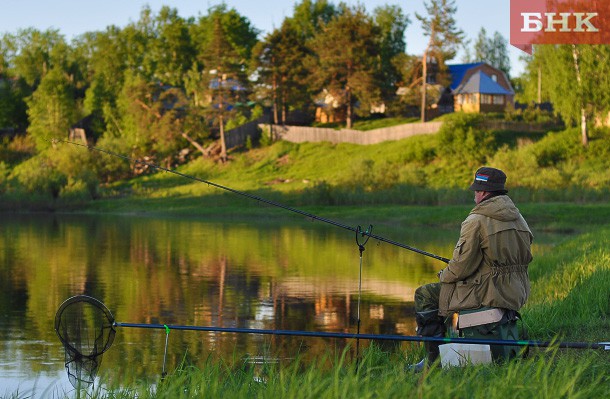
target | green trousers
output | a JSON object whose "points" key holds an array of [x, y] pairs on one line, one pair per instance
{"points": [[427, 297], [429, 323]]}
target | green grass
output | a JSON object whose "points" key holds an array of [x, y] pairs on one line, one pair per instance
{"points": [[421, 170], [545, 374]]}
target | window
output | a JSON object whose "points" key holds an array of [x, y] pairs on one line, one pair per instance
{"points": [[498, 100], [486, 99], [494, 77]]}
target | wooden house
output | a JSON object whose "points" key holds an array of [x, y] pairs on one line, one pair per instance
{"points": [[479, 87]]}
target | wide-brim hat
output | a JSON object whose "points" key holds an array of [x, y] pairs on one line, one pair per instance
{"points": [[488, 179]]}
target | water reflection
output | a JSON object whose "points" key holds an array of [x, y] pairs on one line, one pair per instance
{"points": [[190, 272]]}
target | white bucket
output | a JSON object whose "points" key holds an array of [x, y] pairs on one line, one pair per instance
{"points": [[463, 354]]}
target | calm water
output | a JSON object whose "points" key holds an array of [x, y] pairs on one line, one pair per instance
{"points": [[302, 276]]}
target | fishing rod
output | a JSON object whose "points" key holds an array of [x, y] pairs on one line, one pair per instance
{"points": [[381, 337], [309, 215], [86, 329]]}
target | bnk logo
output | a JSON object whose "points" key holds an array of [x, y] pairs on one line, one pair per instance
{"points": [[533, 22], [559, 22]]}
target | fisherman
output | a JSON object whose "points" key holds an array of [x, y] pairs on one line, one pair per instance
{"points": [[488, 267]]}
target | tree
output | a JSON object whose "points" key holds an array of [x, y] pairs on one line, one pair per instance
{"points": [[580, 70], [106, 64], [492, 50], [51, 108], [309, 16], [278, 59], [226, 78], [281, 75], [171, 51], [217, 80], [391, 23], [33, 54], [346, 60], [12, 91], [443, 38]]}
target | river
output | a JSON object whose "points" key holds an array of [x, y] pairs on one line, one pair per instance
{"points": [[161, 270]]}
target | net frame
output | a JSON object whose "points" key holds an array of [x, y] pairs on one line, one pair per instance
{"points": [[86, 329]]}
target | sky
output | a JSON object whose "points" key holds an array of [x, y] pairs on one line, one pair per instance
{"points": [[74, 17]]}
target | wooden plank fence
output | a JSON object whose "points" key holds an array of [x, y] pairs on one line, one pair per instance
{"points": [[300, 134]]}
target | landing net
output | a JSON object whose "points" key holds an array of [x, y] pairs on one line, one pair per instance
{"points": [[85, 328]]}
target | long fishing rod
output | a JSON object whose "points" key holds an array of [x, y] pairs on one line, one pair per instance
{"points": [[385, 337], [260, 199], [86, 329]]}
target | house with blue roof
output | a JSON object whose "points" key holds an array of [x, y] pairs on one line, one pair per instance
{"points": [[474, 87], [479, 87]]}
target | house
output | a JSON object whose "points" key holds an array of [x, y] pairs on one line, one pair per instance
{"points": [[474, 87], [479, 87]]}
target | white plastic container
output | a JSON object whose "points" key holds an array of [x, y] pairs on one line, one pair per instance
{"points": [[463, 354]]}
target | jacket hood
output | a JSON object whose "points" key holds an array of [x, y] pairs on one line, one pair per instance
{"points": [[500, 208]]}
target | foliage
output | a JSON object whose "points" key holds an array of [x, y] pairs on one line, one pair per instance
{"points": [[51, 109], [58, 172], [440, 28], [492, 50], [461, 140], [346, 64], [443, 39], [281, 75], [16, 149], [392, 24], [580, 70]]}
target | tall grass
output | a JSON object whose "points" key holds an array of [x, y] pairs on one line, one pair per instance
{"points": [[545, 374]]}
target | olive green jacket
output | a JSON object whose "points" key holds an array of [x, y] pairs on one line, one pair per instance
{"points": [[490, 259]]}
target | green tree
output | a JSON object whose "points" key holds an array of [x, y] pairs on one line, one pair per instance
{"points": [[443, 38], [392, 24], [12, 94], [106, 63], [51, 108], [492, 50], [281, 75], [171, 51], [33, 54], [582, 71], [346, 60], [226, 77], [309, 16], [216, 82]]}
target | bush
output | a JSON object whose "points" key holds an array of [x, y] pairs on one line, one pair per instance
{"points": [[4, 173], [38, 176], [461, 139]]}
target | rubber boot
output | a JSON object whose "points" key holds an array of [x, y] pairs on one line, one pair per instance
{"points": [[432, 354], [432, 350], [429, 324]]}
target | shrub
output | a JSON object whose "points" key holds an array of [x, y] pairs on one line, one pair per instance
{"points": [[38, 176], [461, 138]]}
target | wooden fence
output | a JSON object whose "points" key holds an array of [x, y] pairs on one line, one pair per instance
{"points": [[299, 134]]}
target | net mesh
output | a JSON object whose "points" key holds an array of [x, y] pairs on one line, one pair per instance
{"points": [[85, 328]]}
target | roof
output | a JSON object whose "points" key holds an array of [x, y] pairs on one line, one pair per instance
{"points": [[458, 71], [479, 82]]}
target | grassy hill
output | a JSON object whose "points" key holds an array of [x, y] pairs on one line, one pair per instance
{"points": [[422, 170]]}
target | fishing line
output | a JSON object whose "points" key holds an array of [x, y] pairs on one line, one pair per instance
{"points": [[86, 328], [257, 198]]}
